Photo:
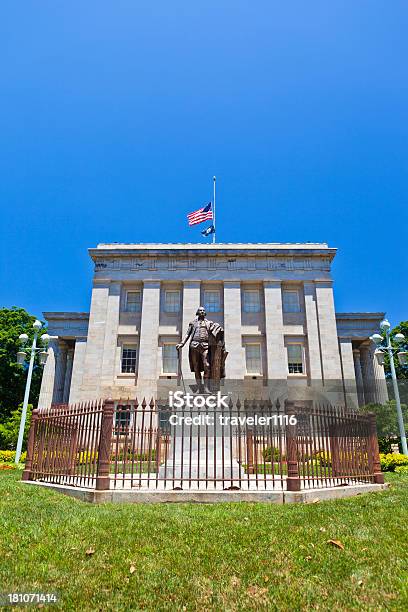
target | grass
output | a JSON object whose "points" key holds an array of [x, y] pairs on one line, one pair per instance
{"points": [[206, 557]]}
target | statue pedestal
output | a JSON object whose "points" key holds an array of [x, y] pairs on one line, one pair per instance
{"points": [[202, 452]]}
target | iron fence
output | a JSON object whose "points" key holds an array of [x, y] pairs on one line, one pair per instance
{"points": [[252, 445]]}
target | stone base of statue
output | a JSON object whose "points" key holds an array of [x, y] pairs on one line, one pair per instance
{"points": [[202, 452]]}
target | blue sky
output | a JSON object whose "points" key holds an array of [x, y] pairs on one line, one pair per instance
{"points": [[114, 116]]}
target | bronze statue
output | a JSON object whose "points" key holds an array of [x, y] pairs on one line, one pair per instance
{"points": [[206, 351]]}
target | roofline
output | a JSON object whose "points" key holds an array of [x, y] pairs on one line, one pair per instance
{"points": [[164, 249], [360, 315], [58, 316]]}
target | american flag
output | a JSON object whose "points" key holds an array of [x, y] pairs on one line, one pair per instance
{"points": [[200, 215]]}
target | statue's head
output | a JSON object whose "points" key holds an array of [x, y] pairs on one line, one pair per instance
{"points": [[201, 314]]}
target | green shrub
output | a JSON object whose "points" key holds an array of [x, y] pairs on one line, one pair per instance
{"points": [[390, 461], [401, 469], [385, 444], [8, 456], [87, 457], [130, 456], [325, 458], [10, 428], [314, 463], [273, 451]]}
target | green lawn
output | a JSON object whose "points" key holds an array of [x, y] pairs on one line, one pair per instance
{"points": [[206, 557]]}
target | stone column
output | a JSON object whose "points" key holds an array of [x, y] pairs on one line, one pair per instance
{"points": [[95, 343], [313, 342], [111, 340], [235, 364], [48, 377], [359, 377], [77, 370], [375, 388], [149, 333], [191, 301], [60, 366], [328, 332], [68, 375], [349, 377], [380, 384], [367, 368], [275, 345]]}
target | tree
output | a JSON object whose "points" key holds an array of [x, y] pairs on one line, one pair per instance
{"points": [[13, 322], [387, 423], [401, 371]]}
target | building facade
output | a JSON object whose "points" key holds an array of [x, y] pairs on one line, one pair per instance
{"points": [[275, 302]]}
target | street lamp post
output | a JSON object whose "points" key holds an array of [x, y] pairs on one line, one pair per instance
{"points": [[21, 357], [403, 359]]}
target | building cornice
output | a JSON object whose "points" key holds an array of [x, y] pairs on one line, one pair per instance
{"points": [[358, 316], [63, 316], [227, 249]]}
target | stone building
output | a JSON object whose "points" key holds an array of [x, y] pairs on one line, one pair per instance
{"points": [[275, 302]]}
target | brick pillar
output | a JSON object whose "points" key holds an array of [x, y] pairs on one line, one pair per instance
{"points": [[104, 449], [30, 446], [373, 451], [334, 432], [250, 452], [158, 449], [293, 480]]}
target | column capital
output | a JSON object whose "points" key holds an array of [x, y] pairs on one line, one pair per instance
{"points": [[272, 284], [151, 284], [115, 286], [233, 284], [191, 284], [345, 339], [309, 287]]}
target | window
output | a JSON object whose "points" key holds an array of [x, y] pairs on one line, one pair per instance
{"points": [[122, 418], [252, 301], [212, 301], [253, 358], [170, 359], [129, 358], [172, 301], [295, 358], [291, 300], [134, 301]]}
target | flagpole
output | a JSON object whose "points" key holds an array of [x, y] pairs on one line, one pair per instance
{"points": [[214, 180]]}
